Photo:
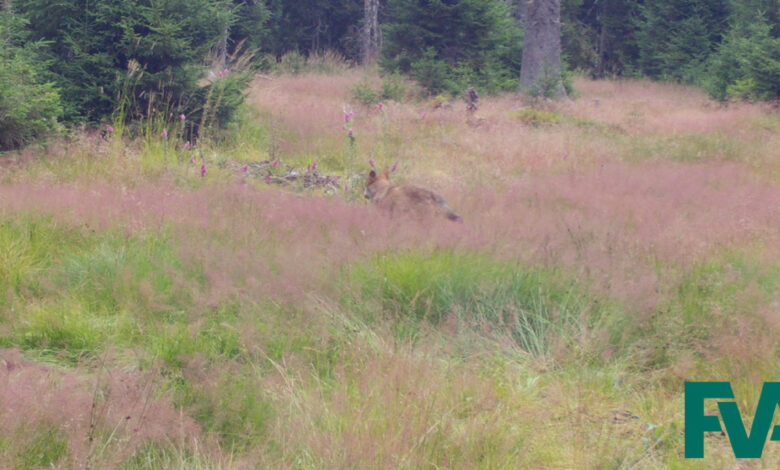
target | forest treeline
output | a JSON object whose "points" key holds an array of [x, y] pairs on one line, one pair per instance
{"points": [[88, 60]]}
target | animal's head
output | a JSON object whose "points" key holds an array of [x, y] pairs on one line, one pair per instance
{"points": [[375, 182]]}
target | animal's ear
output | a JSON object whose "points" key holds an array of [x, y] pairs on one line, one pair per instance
{"points": [[372, 174]]}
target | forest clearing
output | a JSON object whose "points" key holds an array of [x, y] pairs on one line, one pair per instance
{"points": [[172, 306]]}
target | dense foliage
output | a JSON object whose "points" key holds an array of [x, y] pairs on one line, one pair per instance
{"points": [[29, 104], [747, 63], [675, 38], [449, 45], [314, 26], [88, 60], [596, 35], [730, 47], [145, 56]]}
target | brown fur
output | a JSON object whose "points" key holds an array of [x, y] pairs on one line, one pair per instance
{"points": [[411, 200]]}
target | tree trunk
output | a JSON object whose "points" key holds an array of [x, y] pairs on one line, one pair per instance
{"points": [[541, 68], [372, 39], [602, 49], [222, 48]]}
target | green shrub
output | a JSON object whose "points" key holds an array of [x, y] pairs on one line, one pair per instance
{"points": [[392, 88], [747, 64], [292, 62], [537, 117], [449, 46], [29, 105], [363, 92], [675, 37]]}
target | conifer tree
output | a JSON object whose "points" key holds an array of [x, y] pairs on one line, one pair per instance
{"points": [[92, 44], [448, 45]]}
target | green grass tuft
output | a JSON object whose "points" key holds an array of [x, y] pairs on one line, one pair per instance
{"points": [[537, 308]]}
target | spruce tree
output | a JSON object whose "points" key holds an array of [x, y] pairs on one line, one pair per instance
{"points": [[29, 103], [448, 45], [675, 38], [101, 51]]}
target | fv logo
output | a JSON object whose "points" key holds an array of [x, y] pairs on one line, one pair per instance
{"points": [[744, 445]]}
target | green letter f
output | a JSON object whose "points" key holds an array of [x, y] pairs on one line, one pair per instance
{"points": [[696, 422]]}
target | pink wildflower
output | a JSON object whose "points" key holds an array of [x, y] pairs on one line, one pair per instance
{"points": [[424, 115], [182, 117], [395, 167], [268, 179], [225, 72], [245, 169], [220, 74], [275, 163], [347, 117], [371, 162], [164, 134], [187, 146], [351, 133], [192, 160], [380, 106], [314, 165], [203, 171], [109, 129]]}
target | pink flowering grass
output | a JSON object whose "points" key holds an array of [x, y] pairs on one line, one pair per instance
{"points": [[605, 223], [103, 417], [657, 202], [611, 121]]}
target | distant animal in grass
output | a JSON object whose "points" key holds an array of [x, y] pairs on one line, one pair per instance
{"points": [[406, 200]]}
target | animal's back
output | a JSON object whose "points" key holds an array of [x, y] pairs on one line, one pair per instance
{"points": [[418, 201], [412, 200]]}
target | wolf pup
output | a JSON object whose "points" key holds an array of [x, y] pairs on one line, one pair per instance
{"points": [[405, 199]]}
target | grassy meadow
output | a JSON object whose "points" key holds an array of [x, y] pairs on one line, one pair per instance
{"points": [[165, 307]]}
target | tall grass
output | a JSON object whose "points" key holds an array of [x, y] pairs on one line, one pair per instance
{"points": [[538, 310], [612, 248]]}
